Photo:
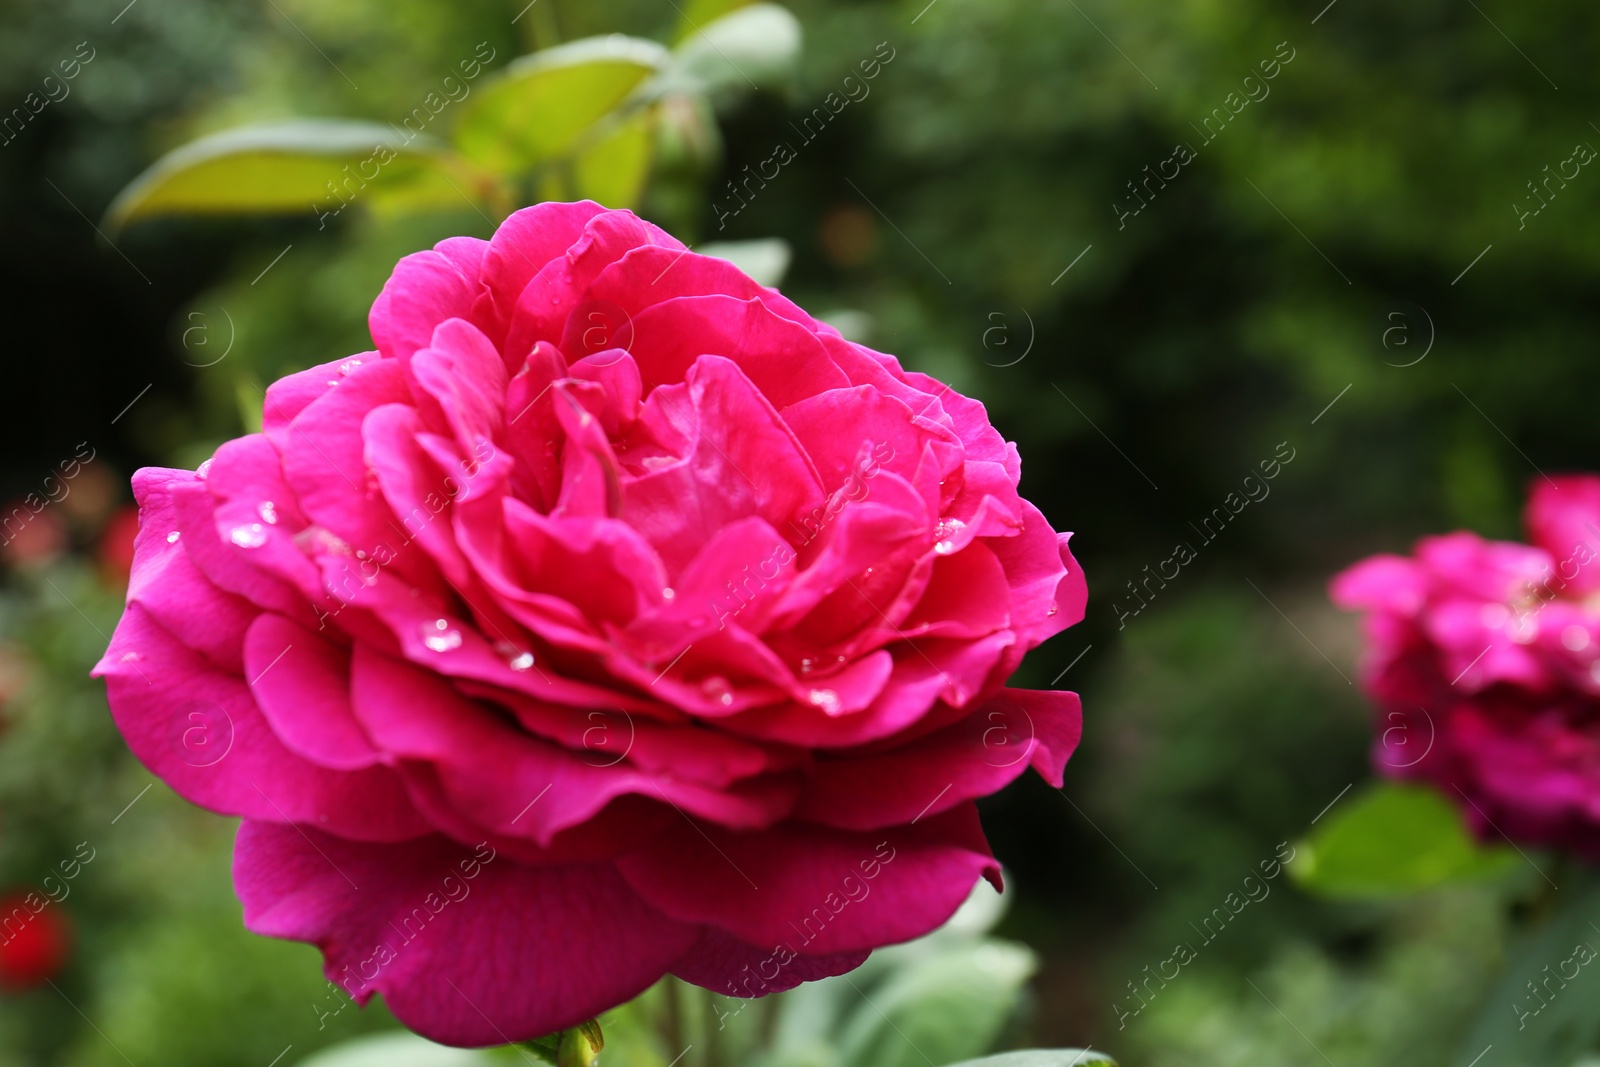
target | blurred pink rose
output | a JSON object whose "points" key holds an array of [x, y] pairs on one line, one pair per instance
{"points": [[613, 618], [1484, 659]]}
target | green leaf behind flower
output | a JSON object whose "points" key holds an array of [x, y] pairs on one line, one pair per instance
{"points": [[1391, 839], [301, 165], [542, 106], [1040, 1057]]}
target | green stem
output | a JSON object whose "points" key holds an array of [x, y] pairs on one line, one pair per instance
{"points": [[674, 1020], [546, 31]]}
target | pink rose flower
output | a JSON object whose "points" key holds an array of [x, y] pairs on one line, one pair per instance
{"points": [[614, 618], [1484, 660]]}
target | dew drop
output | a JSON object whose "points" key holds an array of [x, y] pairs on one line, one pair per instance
{"points": [[1054, 608], [251, 536], [439, 637], [172, 538], [518, 659], [826, 699], [349, 365], [668, 593], [203, 470], [333, 381], [807, 665], [943, 534], [268, 512], [717, 688], [129, 657]]}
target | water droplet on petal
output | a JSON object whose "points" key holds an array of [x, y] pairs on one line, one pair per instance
{"points": [[1575, 638], [333, 381], [668, 593], [251, 536], [268, 512], [1054, 608], [518, 659], [717, 688], [172, 538], [349, 365], [826, 699], [439, 636], [807, 665], [203, 470], [943, 532], [129, 657]]}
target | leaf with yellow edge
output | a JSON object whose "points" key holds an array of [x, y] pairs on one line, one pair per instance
{"points": [[313, 165], [697, 13], [614, 170], [754, 47], [540, 107]]}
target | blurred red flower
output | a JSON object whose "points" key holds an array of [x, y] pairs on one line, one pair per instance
{"points": [[33, 944]]}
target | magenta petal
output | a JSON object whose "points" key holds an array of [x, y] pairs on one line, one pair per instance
{"points": [[293, 393], [1389, 582], [745, 461], [1055, 722], [198, 730], [521, 246], [302, 684], [425, 289], [782, 358], [1563, 518], [167, 584], [467, 947], [193, 510], [723, 964], [977, 756], [817, 891]]}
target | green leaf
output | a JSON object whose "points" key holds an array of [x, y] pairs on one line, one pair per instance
{"points": [[1393, 839], [396, 1050], [755, 47], [613, 171], [698, 13], [312, 165], [1040, 1057], [1555, 1020], [951, 1004], [540, 107]]}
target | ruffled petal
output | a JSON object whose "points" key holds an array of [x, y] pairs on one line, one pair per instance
{"points": [[467, 947]]}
